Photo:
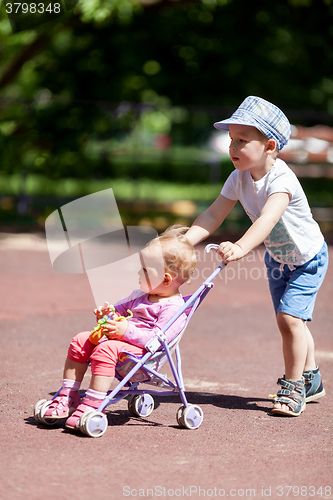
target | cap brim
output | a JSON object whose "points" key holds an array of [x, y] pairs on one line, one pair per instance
{"points": [[224, 124]]}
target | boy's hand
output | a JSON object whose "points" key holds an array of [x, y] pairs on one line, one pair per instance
{"points": [[102, 311], [115, 330], [229, 252]]}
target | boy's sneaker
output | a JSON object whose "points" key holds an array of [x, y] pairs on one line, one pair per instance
{"points": [[73, 422], [63, 405], [313, 385]]}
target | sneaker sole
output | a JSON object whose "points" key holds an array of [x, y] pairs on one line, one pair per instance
{"points": [[315, 396], [287, 413]]}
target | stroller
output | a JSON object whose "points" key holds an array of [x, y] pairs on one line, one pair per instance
{"points": [[133, 370]]}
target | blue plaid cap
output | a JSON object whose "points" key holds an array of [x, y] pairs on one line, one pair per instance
{"points": [[264, 116]]}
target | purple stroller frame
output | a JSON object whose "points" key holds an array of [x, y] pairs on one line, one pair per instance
{"points": [[191, 304]]}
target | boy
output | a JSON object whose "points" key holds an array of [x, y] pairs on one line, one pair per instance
{"points": [[296, 253]]}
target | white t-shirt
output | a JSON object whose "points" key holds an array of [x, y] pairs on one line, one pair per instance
{"points": [[296, 238]]}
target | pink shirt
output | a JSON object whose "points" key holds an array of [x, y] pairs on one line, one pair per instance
{"points": [[148, 318]]}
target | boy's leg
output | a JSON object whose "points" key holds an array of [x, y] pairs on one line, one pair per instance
{"points": [[295, 339], [310, 362], [294, 293], [294, 346]]}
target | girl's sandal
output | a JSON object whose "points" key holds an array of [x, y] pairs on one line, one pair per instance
{"points": [[63, 405], [292, 394], [73, 422]]}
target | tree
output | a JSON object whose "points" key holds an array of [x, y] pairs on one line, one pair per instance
{"points": [[114, 66]]}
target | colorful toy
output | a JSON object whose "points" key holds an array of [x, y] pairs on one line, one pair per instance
{"points": [[97, 332]]}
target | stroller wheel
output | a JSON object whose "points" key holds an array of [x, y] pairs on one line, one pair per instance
{"points": [[41, 413], [95, 424], [37, 408], [190, 417], [141, 405], [179, 416], [82, 421]]}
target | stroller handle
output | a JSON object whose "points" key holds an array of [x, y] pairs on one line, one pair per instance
{"points": [[209, 247], [212, 246]]}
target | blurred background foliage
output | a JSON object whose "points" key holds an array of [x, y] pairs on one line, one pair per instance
{"points": [[124, 93]]}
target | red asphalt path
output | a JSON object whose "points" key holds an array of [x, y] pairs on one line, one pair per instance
{"points": [[231, 357]]}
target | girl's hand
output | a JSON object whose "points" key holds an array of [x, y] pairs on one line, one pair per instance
{"points": [[102, 311], [115, 330], [229, 251]]}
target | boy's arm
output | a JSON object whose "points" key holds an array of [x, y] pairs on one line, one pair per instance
{"points": [[210, 219], [271, 213]]}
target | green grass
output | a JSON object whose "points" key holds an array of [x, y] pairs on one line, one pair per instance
{"points": [[141, 201], [124, 189], [318, 191]]}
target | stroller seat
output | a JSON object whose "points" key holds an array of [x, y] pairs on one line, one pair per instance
{"points": [[127, 361]]}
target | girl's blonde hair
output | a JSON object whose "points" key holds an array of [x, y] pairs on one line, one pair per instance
{"points": [[178, 253]]}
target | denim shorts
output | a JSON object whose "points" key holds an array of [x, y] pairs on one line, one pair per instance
{"points": [[294, 292]]}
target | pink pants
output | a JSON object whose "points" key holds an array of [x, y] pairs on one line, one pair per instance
{"points": [[103, 357]]}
